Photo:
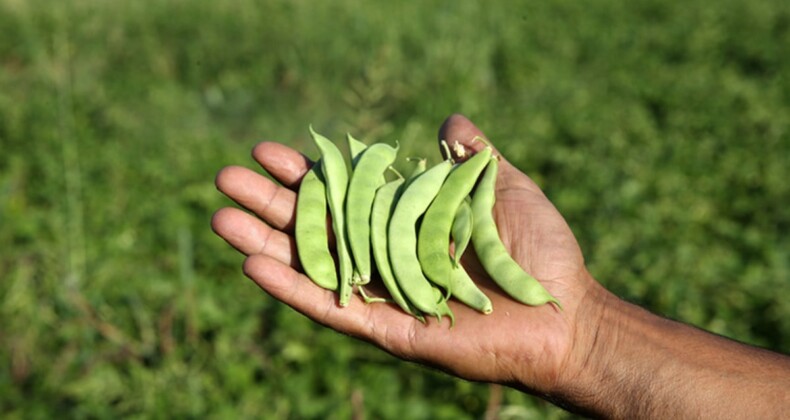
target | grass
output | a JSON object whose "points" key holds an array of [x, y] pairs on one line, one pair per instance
{"points": [[659, 130]]}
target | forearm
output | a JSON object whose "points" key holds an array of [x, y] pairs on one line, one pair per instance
{"points": [[640, 365]]}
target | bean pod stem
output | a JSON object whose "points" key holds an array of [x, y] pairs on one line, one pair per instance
{"points": [[336, 174]]}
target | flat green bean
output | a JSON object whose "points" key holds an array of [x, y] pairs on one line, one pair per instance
{"points": [[368, 175], [419, 168], [402, 238], [383, 205], [333, 167], [433, 243], [355, 149], [462, 229], [493, 255], [312, 243]]}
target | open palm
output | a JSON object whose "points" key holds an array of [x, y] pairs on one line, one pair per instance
{"points": [[530, 347]]}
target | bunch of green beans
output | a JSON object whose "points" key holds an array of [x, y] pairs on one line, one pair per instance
{"points": [[402, 229]]}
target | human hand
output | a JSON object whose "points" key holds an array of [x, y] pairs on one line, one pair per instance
{"points": [[537, 349]]}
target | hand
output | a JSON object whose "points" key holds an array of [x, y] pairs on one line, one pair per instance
{"points": [[537, 349], [600, 355]]}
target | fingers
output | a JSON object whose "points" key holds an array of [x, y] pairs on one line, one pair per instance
{"points": [[273, 203], [283, 163], [299, 292], [251, 236]]}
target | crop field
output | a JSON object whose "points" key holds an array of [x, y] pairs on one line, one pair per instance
{"points": [[660, 130]]}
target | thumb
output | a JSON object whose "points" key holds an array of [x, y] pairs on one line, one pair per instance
{"points": [[458, 129]]}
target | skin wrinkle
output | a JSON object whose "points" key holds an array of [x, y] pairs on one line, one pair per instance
{"points": [[383, 337], [293, 261], [509, 365], [490, 357], [388, 342], [517, 250], [374, 335], [411, 340], [295, 291], [247, 186], [268, 199], [371, 326], [586, 362], [511, 180], [560, 261], [264, 242], [521, 249], [330, 306], [288, 216]]}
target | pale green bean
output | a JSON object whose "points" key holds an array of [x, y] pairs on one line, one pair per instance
{"points": [[433, 244], [462, 229], [355, 149], [312, 243], [368, 175], [383, 205], [333, 167], [402, 238], [493, 255]]}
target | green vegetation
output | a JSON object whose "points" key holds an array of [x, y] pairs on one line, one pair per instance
{"points": [[659, 129]]}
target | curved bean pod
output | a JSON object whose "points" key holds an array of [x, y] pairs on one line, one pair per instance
{"points": [[433, 243], [383, 204], [312, 242], [462, 229], [366, 178], [492, 253], [402, 238], [419, 168], [355, 149], [333, 167]]}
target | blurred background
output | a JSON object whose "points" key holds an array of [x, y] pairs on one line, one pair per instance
{"points": [[660, 130]]}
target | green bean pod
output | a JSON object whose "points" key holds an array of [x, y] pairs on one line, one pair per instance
{"points": [[312, 243], [368, 175], [333, 167], [383, 205], [493, 255], [355, 149], [462, 229], [433, 243], [402, 237], [419, 167]]}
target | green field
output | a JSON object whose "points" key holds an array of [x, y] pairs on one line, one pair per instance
{"points": [[660, 130]]}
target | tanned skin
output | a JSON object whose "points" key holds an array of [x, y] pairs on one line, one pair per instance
{"points": [[600, 356]]}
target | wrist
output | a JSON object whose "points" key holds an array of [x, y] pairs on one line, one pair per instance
{"points": [[618, 358], [595, 336], [611, 356], [626, 362]]}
